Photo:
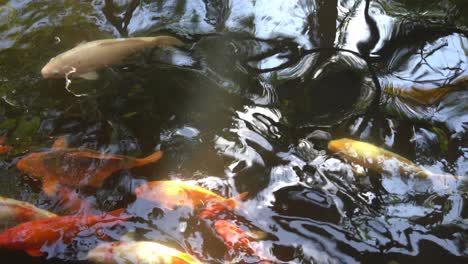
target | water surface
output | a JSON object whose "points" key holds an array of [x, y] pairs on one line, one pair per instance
{"points": [[231, 109]]}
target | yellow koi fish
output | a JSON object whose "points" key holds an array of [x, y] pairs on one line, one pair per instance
{"points": [[375, 158], [139, 252]]}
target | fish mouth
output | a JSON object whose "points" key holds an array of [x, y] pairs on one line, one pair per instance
{"points": [[45, 73]]}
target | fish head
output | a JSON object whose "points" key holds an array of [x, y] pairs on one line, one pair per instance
{"points": [[56, 68], [103, 253], [339, 145], [30, 164]]}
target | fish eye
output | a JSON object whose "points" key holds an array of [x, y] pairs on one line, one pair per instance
{"points": [[55, 72], [100, 233]]}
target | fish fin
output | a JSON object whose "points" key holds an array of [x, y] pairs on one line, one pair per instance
{"points": [[92, 155], [116, 212], [60, 143], [233, 202], [258, 234], [167, 41], [34, 252], [89, 76], [150, 159], [49, 186], [185, 258]]}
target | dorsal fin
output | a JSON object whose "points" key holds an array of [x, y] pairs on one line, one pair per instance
{"points": [[60, 143]]}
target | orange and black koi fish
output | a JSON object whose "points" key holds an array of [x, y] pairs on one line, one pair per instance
{"points": [[31, 236], [174, 193], [76, 167]]}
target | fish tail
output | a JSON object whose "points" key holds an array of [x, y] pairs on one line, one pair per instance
{"points": [[150, 159], [439, 175], [167, 41]]}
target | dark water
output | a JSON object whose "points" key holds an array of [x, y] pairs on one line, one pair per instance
{"points": [[231, 110]]}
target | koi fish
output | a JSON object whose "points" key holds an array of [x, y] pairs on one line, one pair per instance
{"points": [[4, 148], [31, 236], [13, 212], [427, 96], [238, 239], [139, 252], [375, 158], [76, 167], [233, 236], [174, 193], [85, 59]]}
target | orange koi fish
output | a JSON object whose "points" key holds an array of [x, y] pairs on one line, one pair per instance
{"points": [[139, 252], [234, 237], [238, 239], [174, 193], [375, 158], [76, 167], [31, 236], [4, 148], [13, 212]]}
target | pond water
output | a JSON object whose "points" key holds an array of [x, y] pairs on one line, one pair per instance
{"points": [[232, 110]]}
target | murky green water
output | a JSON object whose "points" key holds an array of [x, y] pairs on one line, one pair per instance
{"points": [[231, 108]]}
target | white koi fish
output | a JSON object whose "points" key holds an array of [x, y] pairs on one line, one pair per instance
{"points": [[85, 59]]}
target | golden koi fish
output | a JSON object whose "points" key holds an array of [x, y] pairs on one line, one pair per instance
{"points": [[139, 252], [85, 59], [174, 193], [427, 96], [76, 167], [375, 158]]}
